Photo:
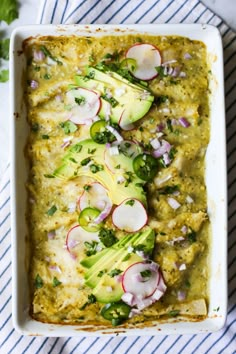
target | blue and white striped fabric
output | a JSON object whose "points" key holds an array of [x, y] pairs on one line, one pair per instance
{"points": [[131, 11]]}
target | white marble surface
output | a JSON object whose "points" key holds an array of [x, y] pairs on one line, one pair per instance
{"points": [[28, 15]]}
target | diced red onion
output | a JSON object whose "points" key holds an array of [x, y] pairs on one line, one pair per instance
{"points": [[51, 235], [165, 148], [176, 193], [153, 267], [34, 84], [55, 268], [109, 289], [176, 239], [47, 259], [71, 207], [173, 203], [183, 121], [66, 144], [174, 121], [182, 267], [120, 179], [113, 151], [181, 295], [72, 243], [166, 159], [128, 298], [170, 70], [187, 56], [130, 249], [142, 254], [58, 98], [155, 143], [165, 71], [108, 145], [134, 312], [157, 294], [38, 55], [103, 214], [184, 229], [176, 71], [169, 62], [189, 200], [165, 110], [115, 133], [182, 74], [161, 127]]}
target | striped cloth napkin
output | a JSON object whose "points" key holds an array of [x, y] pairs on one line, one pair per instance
{"points": [[130, 11]]}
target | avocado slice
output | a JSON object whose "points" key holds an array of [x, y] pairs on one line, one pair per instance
{"points": [[98, 277], [129, 101], [74, 165], [105, 287], [108, 289]]}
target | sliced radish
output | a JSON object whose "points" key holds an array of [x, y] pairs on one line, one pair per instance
{"points": [[135, 283], [130, 215], [147, 58], [124, 125], [83, 105], [130, 148], [96, 196], [76, 237]]}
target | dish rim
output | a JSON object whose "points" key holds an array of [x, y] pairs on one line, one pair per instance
{"points": [[21, 320]]}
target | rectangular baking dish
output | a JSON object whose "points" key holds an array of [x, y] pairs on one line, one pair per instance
{"points": [[215, 181]]}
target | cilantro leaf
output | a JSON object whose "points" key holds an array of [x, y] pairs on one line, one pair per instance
{"points": [[8, 10], [4, 75], [107, 237], [4, 48]]}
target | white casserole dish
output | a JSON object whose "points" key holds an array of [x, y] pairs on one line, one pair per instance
{"points": [[215, 181]]}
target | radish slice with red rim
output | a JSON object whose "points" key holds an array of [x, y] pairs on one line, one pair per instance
{"points": [[96, 196], [130, 215], [124, 125], [147, 58], [141, 279], [76, 237], [83, 105]]}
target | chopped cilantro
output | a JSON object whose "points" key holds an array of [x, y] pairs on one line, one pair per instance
{"points": [[114, 272], [161, 99], [130, 202], [55, 282], [91, 247], [107, 237], [80, 100], [100, 274], [160, 70], [146, 273], [172, 153], [91, 300], [169, 125], [87, 187], [91, 59], [187, 284], [45, 136], [85, 161], [72, 159], [113, 102], [52, 210], [68, 127], [169, 189], [38, 282], [174, 313], [36, 68], [76, 148], [4, 75], [4, 48], [96, 168], [192, 236], [35, 127], [126, 257], [91, 151], [117, 167], [49, 176], [47, 76]]}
